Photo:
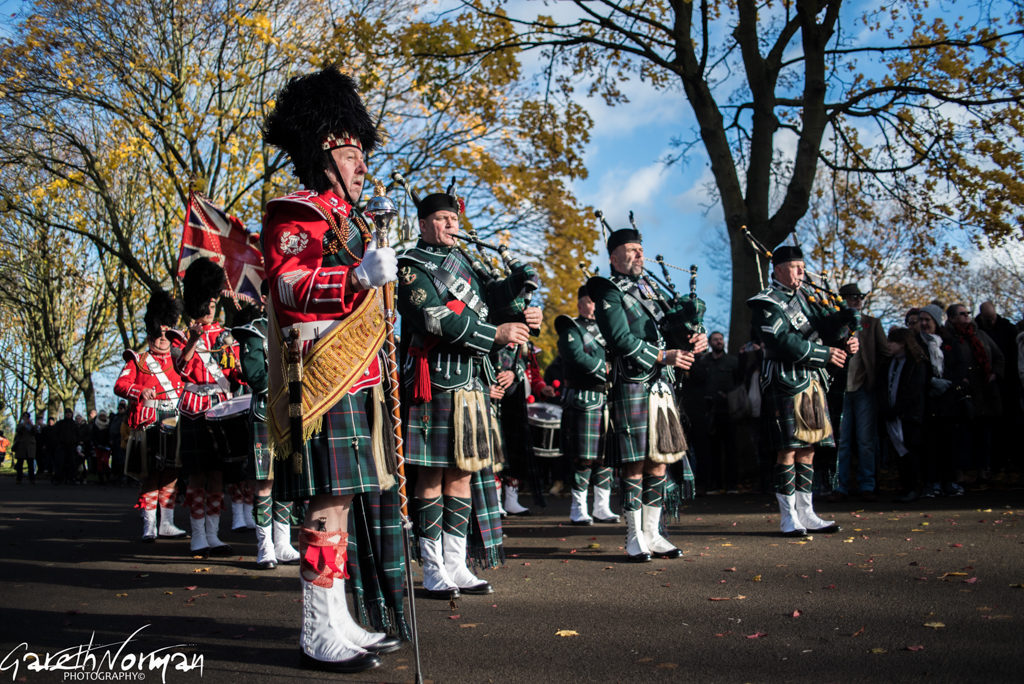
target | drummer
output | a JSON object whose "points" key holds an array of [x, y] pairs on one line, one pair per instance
{"points": [[585, 419], [209, 367], [151, 384], [446, 336]]}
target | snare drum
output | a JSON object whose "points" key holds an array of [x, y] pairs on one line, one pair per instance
{"points": [[229, 424], [545, 422], [168, 452]]}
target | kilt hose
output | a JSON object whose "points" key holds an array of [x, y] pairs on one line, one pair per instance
{"points": [[778, 411]]}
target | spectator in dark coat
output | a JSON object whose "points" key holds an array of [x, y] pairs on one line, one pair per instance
{"points": [[985, 365], [1006, 432], [945, 415], [904, 388], [24, 448], [65, 440]]}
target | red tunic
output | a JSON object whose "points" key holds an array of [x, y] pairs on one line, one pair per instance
{"points": [[206, 374], [148, 370], [302, 289]]}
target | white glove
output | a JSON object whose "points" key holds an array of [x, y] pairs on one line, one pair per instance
{"points": [[379, 266]]}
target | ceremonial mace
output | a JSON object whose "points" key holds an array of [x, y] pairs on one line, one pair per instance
{"points": [[382, 210]]}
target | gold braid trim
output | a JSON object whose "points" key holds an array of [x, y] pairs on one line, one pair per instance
{"points": [[329, 369]]}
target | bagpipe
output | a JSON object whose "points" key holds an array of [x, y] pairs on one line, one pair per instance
{"points": [[839, 321], [684, 314]]}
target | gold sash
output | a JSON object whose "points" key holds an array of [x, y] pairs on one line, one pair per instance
{"points": [[331, 367]]}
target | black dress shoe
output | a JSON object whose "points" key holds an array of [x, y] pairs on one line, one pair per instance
{"points": [[794, 533], [582, 523], [674, 553], [442, 594], [640, 558], [266, 565], [477, 589], [386, 645], [614, 520], [827, 529], [222, 550], [361, 663]]}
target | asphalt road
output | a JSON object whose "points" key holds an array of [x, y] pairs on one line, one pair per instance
{"points": [[930, 591]]}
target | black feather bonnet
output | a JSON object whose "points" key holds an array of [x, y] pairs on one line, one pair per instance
{"points": [[162, 310], [315, 111], [203, 281]]}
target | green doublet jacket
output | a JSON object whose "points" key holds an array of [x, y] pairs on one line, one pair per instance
{"points": [[445, 307], [581, 346], [252, 358], [791, 330], [629, 310]]}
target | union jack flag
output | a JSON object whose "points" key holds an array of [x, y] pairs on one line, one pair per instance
{"points": [[211, 232]]}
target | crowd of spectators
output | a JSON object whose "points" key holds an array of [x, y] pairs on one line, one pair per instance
{"points": [[69, 450], [935, 402]]}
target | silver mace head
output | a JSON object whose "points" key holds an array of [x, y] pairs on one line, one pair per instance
{"points": [[382, 210]]}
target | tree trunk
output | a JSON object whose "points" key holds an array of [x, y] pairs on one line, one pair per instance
{"points": [[745, 284], [89, 392]]}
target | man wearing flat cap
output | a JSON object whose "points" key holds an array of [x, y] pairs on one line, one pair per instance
{"points": [[858, 429], [453, 317], [800, 339], [581, 347], [326, 412], [645, 429]]}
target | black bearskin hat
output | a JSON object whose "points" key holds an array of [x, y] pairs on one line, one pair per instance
{"points": [[309, 110], [162, 310], [203, 281]]}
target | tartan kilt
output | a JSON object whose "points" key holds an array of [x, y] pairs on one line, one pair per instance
{"points": [[429, 432], [338, 460], [583, 434], [778, 411], [197, 448], [627, 407]]}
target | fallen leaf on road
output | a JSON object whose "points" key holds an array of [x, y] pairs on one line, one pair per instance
{"points": [[121, 595], [192, 588], [796, 613], [755, 578], [240, 596], [729, 570], [935, 625], [467, 625], [454, 617], [858, 632], [719, 598], [201, 570], [878, 651], [970, 580], [738, 597], [757, 635], [953, 574], [168, 593], [914, 648], [567, 633], [667, 666]]}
